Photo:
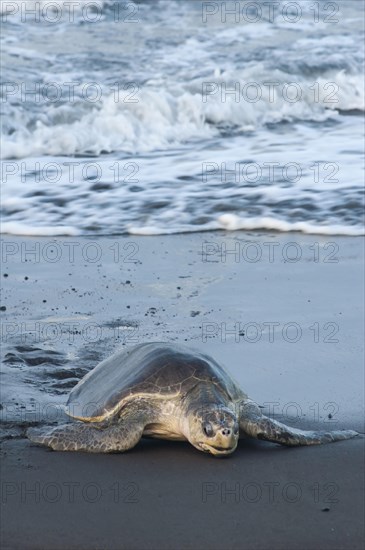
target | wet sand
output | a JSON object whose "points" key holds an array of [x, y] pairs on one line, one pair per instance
{"points": [[167, 495], [289, 331]]}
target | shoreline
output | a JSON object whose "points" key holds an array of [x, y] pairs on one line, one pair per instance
{"points": [[220, 231]]}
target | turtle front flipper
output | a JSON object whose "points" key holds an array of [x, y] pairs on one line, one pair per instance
{"points": [[255, 424], [117, 436]]}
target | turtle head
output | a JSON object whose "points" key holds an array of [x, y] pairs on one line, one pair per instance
{"points": [[214, 430]]}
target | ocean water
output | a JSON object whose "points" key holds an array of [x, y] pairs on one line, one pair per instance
{"points": [[158, 117]]}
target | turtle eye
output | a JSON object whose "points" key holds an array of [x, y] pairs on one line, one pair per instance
{"points": [[208, 430]]}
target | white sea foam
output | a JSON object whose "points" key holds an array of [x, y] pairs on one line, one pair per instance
{"points": [[166, 118], [16, 228], [173, 130], [230, 222]]}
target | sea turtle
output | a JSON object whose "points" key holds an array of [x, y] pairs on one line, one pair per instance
{"points": [[167, 391]]}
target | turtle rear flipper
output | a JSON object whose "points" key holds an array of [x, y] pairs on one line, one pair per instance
{"points": [[118, 436], [257, 425]]}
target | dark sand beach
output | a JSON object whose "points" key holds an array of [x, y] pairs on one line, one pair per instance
{"points": [[180, 171], [284, 314]]}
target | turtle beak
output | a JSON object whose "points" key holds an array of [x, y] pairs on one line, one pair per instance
{"points": [[218, 451], [225, 441], [223, 444]]}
